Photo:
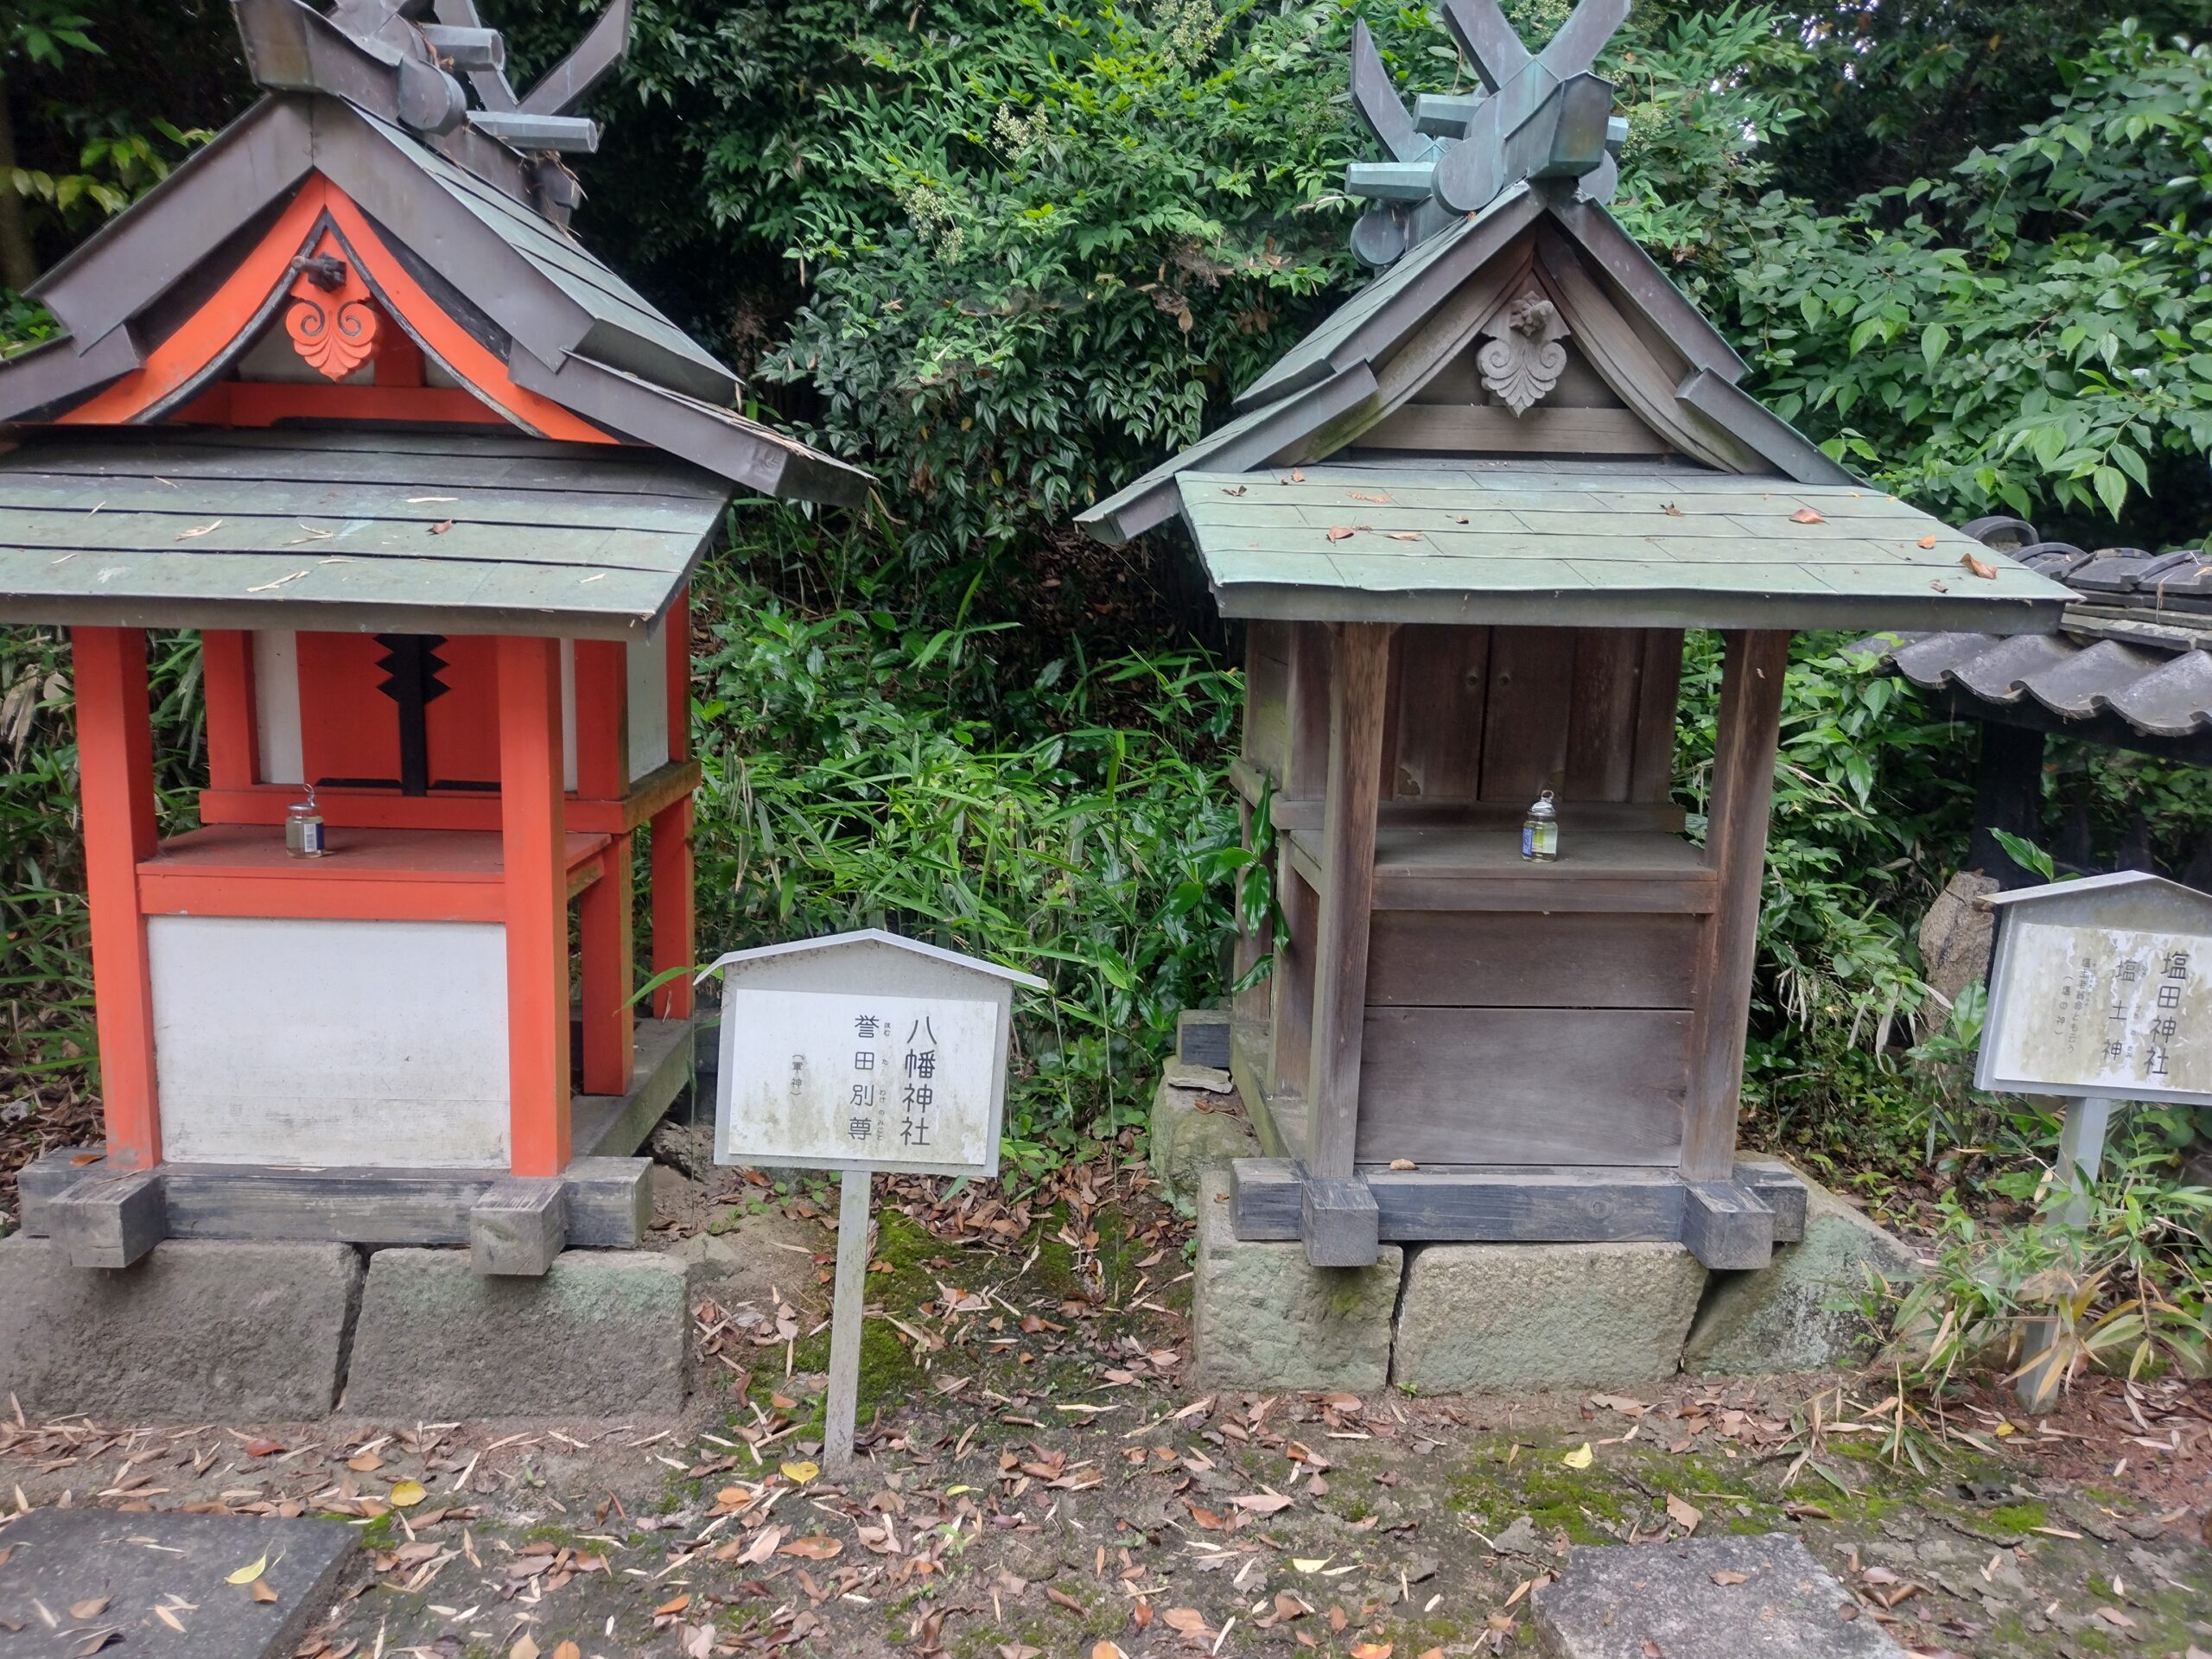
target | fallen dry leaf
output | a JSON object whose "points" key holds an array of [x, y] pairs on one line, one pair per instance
{"points": [[1189, 1620], [249, 1572], [198, 530], [801, 1472], [1581, 1458], [1670, 510], [91, 1609], [441, 527], [816, 1547], [524, 1647], [1724, 1576], [1297, 477], [1928, 541], [673, 1606], [406, 1494], [1371, 1651], [567, 1650], [1234, 489], [1683, 1513], [259, 1590], [1807, 516], [168, 1619], [1340, 532], [2114, 1618], [1403, 1163], [1981, 567], [1205, 1518], [1264, 1502], [1405, 536], [264, 1448]]}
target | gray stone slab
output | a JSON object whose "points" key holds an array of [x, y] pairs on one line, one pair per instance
{"points": [[60, 1559], [1192, 1129], [199, 1331], [1800, 1312], [1630, 1601], [1263, 1317], [1478, 1317], [605, 1333]]}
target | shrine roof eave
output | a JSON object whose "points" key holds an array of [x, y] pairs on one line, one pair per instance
{"points": [[1564, 543], [349, 532]]}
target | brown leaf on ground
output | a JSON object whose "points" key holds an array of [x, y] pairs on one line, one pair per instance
{"points": [[567, 1650], [1061, 1599], [1683, 1513], [673, 1606], [524, 1647], [91, 1609], [1725, 1577], [1371, 1651], [1807, 516], [1188, 1620], [1205, 1518], [1928, 541], [260, 1592], [1981, 567], [817, 1546], [1339, 532]]}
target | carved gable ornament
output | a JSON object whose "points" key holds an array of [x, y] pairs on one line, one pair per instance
{"points": [[1521, 359], [332, 317]]}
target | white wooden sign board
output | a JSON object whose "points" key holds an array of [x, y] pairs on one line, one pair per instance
{"points": [[2101, 989], [848, 1080], [860, 1053]]}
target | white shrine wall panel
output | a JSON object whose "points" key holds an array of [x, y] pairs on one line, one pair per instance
{"points": [[277, 706], [648, 677], [291, 1042]]}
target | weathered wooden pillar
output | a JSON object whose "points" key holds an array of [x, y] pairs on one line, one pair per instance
{"points": [[1735, 842], [676, 919], [1340, 1216], [2007, 795], [115, 781], [534, 845]]}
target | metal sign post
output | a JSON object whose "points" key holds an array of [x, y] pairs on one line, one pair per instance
{"points": [[2096, 995], [858, 1052]]}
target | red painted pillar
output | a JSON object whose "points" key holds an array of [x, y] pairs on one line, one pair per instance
{"points": [[534, 846], [675, 915], [603, 913], [115, 777]]}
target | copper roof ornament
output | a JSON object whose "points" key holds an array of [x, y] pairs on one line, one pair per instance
{"points": [[1541, 116]]}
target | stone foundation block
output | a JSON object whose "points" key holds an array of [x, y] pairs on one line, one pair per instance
{"points": [[605, 1333], [1192, 1129], [198, 1331], [1262, 1317], [1799, 1312], [1496, 1318]]}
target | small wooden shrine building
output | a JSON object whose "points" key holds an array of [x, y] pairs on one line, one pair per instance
{"points": [[346, 396], [1465, 522]]}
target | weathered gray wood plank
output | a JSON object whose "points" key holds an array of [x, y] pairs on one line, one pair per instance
{"points": [[108, 1218], [1338, 1222], [1726, 1226], [1743, 790], [1528, 959], [1357, 704], [1524, 1085]]}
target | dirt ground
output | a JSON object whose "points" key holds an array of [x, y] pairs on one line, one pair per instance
{"points": [[1037, 1479]]}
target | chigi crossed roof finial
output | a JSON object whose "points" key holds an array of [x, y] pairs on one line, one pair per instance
{"points": [[427, 39], [1543, 115]]}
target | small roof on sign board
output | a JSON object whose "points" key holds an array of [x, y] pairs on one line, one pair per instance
{"points": [[2172, 900], [2101, 883], [874, 936]]}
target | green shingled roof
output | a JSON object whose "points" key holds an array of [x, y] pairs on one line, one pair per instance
{"points": [[1591, 544]]}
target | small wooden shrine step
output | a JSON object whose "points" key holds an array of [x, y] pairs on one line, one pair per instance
{"points": [[1726, 1224]]}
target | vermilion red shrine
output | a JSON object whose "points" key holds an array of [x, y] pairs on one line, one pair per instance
{"points": [[346, 397]]}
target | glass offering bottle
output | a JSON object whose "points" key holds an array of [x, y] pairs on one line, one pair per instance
{"points": [[303, 828], [1539, 831]]}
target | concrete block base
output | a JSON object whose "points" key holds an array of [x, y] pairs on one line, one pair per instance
{"points": [[1797, 1313], [1480, 1318], [1192, 1129], [199, 1331], [605, 1333], [1262, 1317]]}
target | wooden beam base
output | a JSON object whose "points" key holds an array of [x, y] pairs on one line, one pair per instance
{"points": [[608, 1204], [1726, 1224], [1339, 1223], [518, 1228], [106, 1219], [614, 1126]]}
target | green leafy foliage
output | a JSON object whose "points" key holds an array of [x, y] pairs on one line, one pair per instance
{"points": [[1078, 832]]}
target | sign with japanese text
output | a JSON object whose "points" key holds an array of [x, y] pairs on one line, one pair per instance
{"points": [[839, 1080], [2122, 1011]]}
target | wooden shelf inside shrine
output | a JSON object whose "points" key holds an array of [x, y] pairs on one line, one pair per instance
{"points": [[1478, 866], [239, 869]]}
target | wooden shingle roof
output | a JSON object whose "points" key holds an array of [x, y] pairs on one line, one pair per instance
{"points": [[436, 533]]}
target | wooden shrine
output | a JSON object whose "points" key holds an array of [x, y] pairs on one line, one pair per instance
{"points": [[346, 396], [1464, 524]]}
